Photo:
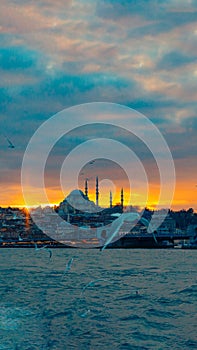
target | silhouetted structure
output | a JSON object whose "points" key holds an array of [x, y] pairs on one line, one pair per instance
{"points": [[86, 188], [122, 198], [110, 199], [97, 191]]}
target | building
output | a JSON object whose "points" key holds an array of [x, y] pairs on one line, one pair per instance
{"points": [[77, 202]]}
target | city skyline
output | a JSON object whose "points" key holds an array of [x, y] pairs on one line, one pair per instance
{"points": [[138, 54]]}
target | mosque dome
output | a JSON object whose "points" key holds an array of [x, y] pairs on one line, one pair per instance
{"points": [[77, 200], [77, 194]]}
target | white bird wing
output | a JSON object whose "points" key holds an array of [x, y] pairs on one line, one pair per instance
{"points": [[70, 263], [116, 225], [147, 224], [113, 230]]}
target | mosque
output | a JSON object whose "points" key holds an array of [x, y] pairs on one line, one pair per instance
{"points": [[78, 202]]}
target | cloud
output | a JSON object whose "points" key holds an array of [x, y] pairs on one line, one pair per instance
{"points": [[190, 123], [5, 99], [148, 18], [124, 8], [173, 11], [69, 84], [174, 59], [138, 53], [17, 57]]}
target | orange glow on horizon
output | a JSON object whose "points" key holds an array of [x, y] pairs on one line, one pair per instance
{"points": [[184, 198]]}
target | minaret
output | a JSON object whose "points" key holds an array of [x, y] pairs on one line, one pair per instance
{"points": [[86, 188], [97, 191], [110, 199], [122, 198]]}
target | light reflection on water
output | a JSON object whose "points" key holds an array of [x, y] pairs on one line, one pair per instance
{"points": [[117, 299]]}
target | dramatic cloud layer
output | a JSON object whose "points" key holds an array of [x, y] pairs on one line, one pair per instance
{"points": [[56, 54]]}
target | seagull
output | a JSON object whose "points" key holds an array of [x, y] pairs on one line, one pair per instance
{"points": [[43, 248], [92, 283], [20, 238], [9, 142], [116, 225], [147, 223], [85, 313], [39, 248], [68, 266]]}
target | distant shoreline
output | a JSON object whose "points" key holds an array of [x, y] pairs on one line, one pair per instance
{"points": [[57, 245]]}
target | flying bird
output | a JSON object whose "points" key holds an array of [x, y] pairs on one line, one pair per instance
{"points": [[43, 248], [68, 267], [9, 142], [85, 313], [92, 284], [147, 223], [20, 238], [116, 225]]}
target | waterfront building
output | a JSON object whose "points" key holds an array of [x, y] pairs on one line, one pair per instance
{"points": [[192, 230], [168, 224]]}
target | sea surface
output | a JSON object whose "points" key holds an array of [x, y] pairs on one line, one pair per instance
{"points": [[115, 299]]}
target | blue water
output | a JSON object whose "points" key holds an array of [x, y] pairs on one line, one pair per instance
{"points": [[116, 299]]}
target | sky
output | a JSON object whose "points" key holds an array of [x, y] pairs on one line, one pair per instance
{"points": [[59, 54]]}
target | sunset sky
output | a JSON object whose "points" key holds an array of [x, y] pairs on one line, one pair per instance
{"points": [[58, 54]]}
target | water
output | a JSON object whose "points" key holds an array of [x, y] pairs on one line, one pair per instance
{"points": [[116, 299]]}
